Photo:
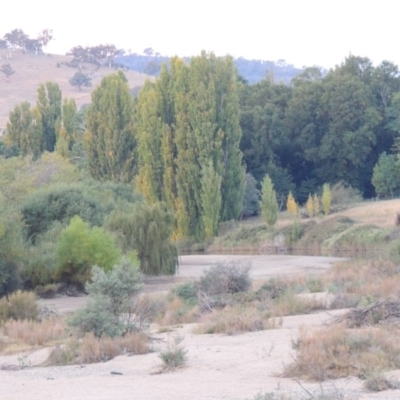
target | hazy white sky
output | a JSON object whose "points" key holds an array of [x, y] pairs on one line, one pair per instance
{"points": [[303, 32]]}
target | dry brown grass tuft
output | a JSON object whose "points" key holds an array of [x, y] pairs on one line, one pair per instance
{"points": [[92, 350], [179, 312], [33, 333], [234, 320], [335, 352], [19, 305], [374, 279], [97, 350]]}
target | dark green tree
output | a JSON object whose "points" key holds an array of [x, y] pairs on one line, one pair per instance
{"points": [[80, 80], [7, 70], [386, 175]]}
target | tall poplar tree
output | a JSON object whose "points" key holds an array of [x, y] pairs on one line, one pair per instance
{"points": [[25, 130], [50, 107], [188, 129], [109, 139]]}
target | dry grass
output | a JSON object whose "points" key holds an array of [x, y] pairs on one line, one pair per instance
{"points": [[19, 334], [20, 305], [179, 312], [92, 350], [335, 352], [234, 320], [31, 71], [379, 213], [374, 279]]}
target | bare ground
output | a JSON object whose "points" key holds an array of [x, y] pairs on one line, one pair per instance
{"points": [[219, 366]]}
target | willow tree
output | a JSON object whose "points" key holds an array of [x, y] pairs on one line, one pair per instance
{"points": [[152, 226], [109, 139]]}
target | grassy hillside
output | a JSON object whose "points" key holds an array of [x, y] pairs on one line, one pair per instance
{"points": [[31, 71], [356, 227]]}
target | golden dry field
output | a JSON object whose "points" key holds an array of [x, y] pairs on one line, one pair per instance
{"points": [[31, 71]]}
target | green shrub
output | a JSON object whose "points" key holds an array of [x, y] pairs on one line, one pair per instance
{"points": [[343, 194], [47, 291], [174, 356], [79, 248], [224, 279], [60, 203], [187, 291], [98, 318], [110, 310]]}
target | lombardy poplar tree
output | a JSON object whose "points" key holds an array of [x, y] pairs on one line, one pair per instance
{"points": [[188, 129], [211, 200], [268, 204], [24, 129], [49, 105], [109, 137]]}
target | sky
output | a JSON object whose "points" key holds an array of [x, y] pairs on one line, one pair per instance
{"points": [[302, 32]]}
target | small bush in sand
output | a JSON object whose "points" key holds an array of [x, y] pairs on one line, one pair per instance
{"points": [[225, 278], [174, 356]]}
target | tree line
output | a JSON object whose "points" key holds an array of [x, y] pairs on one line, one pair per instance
{"points": [[188, 137]]}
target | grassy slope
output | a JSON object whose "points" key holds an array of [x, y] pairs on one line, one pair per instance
{"points": [[252, 232], [31, 71]]}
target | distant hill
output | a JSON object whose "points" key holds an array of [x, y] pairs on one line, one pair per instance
{"points": [[252, 71], [31, 71]]}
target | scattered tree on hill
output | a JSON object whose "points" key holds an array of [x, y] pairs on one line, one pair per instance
{"points": [[109, 137], [97, 55], [80, 80], [7, 70], [268, 203], [16, 39], [44, 37], [291, 204], [310, 206]]}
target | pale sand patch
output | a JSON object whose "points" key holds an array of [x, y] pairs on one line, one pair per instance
{"points": [[219, 367]]}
